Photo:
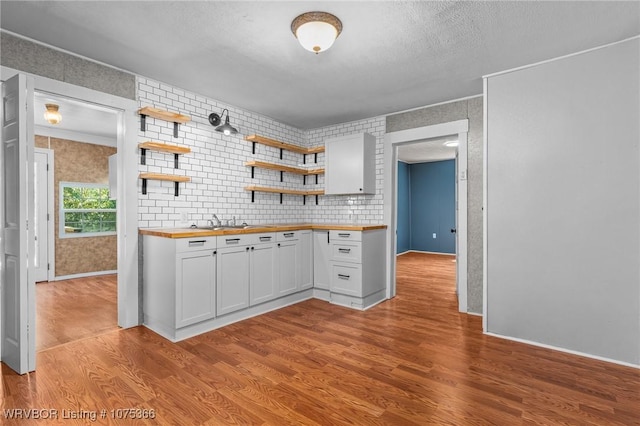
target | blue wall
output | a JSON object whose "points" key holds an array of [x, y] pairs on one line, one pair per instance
{"points": [[404, 208], [431, 205]]}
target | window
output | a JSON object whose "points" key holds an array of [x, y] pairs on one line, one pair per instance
{"points": [[86, 210]]}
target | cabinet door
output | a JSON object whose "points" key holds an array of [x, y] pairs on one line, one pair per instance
{"points": [[232, 279], [321, 252], [306, 259], [288, 273], [263, 273], [350, 164], [195, 287]]}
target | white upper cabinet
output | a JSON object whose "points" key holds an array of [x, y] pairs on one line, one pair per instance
{"points": [[350, 164]]}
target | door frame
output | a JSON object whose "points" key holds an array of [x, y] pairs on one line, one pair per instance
{"points": [[51, 246], [127, 206], [404, 137]]}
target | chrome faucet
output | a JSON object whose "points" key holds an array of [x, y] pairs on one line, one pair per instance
{"points": [[213, 224]]}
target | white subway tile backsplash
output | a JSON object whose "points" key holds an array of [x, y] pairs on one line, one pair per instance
{"points": [[218, 173]]}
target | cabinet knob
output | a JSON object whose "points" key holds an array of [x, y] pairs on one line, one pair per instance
{"points": [[278, 244], [252, 248], [215, 252], [247, 248]]}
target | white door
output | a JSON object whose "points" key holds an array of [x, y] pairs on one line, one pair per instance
{"points": [[42, 215], [18, 291]]}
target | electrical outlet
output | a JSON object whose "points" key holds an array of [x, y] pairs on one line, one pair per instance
{"points": [[434, 235], [184, 216]]}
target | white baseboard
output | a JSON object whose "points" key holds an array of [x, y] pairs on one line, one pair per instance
{"points": [[84, 275], [404, 252], [565, 350], [474, 313], [429, 252]]}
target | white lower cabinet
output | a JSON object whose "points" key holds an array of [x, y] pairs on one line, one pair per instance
{"points": [[288, 262], [195, 287], [306, 259], [246, 271], [321, 253], [263, 273], [179, 282], [357, 267], [233, 279]]}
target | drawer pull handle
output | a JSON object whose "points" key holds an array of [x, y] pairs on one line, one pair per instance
{"points": [[344, 250], [345, 235], [343, 276], [288, 234], [232, 240], [265, 238], [197, 243]]}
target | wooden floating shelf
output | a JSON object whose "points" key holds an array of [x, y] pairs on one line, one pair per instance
{"points": [[279, 167], [282, 191], [159, 176], [173, 117], [176, 150], [165, 147], [281, 145]]}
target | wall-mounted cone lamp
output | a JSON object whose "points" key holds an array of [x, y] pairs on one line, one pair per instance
{"points": [[226, 128]]}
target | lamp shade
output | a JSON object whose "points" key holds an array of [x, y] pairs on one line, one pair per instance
{"points": [[51, 114], [316, 31]]}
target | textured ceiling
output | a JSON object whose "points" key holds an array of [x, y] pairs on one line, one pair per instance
{"points": [[391, 55]]}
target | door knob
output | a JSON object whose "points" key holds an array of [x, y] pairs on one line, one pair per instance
{"points": [[454, 230]]}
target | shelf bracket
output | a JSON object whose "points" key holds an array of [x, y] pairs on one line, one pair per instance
{"points": [[316, 200], [143, 156], [304, 199], [281, 198], [143, 122], [304, 179], [315, 157], [304, 158], [281, 176], [144, 186], [177, 189], [175, 161], [253, 171], [316, 179], [253, 148], [175, 129], [281, 153], [253, 196]]}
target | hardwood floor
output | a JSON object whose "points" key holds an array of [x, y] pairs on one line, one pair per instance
{"points": [[413, 360], [75, 309]]}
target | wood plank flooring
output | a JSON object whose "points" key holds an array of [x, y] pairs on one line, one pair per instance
{"points": [[413, 360], [75, 309]]}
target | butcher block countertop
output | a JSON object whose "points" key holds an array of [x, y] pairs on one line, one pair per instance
{"points": [[206, 232]]}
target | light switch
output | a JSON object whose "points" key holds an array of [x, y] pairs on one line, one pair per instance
{"points": [[434, 235]]}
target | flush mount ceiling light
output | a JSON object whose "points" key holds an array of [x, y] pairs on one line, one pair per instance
{"points": [[51, 114], [316, 31], [226, 128], [451, 144]]}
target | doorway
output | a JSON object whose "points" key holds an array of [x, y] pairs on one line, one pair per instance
{"points": [[79, 298], [18, 312], [393, 141], [43, 205]]}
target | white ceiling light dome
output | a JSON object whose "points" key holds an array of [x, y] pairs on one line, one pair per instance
{"points": [[316, 31]]}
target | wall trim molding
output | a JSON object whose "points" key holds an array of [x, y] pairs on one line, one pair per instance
{"points": [[85, 275], [568, 351]]}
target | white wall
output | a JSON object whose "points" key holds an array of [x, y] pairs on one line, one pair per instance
{"points": [[563, 203]]}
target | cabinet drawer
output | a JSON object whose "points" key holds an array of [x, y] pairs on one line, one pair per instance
{"points": [[287, 236], [346, 252], [195, 243], [245, 239], [345, 236], [346, 278]]}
